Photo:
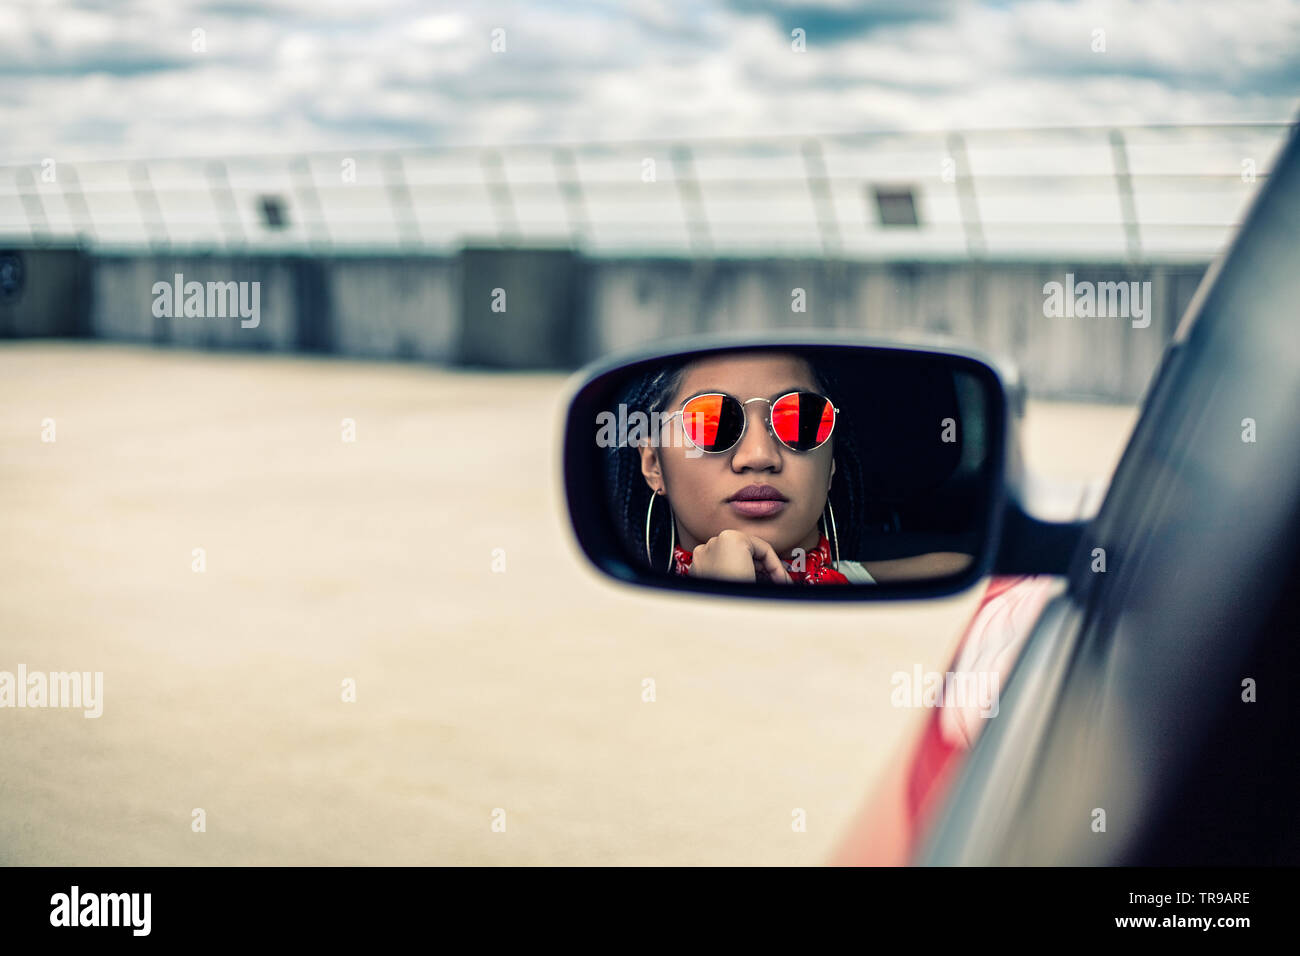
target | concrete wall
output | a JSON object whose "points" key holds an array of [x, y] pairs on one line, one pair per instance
{"points": [[373, 307], [44, 292], [562, 310], [997, 307], [393, 307], [522, 308], [122, 307]]}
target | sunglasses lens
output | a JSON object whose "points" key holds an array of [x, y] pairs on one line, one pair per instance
{"points": [[803, 420], [713, 422]]}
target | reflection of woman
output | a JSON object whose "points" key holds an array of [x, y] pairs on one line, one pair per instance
{"points": [[739, 468]]}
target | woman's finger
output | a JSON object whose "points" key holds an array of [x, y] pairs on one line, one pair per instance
{"points": [[767, 560]]}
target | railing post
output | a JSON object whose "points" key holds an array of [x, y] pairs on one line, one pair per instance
{"points": [[146, 201], [1127, 202], [309, 199], [503, 203], [570, 185], [399, 197], [819, 188], [223, 200], [75, 198], [692, 198], [970, 213], [33, 207]]}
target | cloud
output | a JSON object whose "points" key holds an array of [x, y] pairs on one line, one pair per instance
{"points": [[95, 78], [831, 22]]}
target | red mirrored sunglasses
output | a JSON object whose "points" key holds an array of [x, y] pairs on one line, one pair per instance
{"points": [[715, 422]]}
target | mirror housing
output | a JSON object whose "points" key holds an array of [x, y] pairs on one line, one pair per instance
{"points": [[1003, 536]]}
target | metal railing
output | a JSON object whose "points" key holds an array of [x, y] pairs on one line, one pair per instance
{"points": [[1136, 192]]}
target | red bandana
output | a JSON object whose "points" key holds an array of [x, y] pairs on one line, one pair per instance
{"points": [[817, 565]]}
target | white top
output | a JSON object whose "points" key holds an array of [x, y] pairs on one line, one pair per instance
{"points": [[855, 571]]}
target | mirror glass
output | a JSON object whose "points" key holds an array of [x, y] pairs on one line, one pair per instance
{"points": [[783, 467]]}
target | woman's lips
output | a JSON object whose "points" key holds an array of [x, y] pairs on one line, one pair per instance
{"points": [[760, 508], [758, 501]]}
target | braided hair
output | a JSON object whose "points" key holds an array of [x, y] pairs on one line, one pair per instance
{"points": [[629, 495]]}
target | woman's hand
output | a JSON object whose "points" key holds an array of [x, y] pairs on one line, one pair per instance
{"points": [[736, 556]]}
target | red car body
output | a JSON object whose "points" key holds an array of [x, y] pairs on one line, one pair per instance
{"points": [[890, 827]]}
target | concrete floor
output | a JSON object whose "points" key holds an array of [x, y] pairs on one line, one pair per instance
{"points": [[372, 561]]}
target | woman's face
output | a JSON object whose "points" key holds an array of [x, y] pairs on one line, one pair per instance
{"points": [[700, 487]]}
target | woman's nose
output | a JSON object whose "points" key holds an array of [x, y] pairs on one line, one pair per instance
{"points": [[758, 449]]}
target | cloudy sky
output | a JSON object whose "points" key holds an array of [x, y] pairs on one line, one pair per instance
{"points": [[112, 78]]}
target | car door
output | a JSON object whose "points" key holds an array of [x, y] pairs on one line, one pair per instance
{"points": [[1151, 718]]}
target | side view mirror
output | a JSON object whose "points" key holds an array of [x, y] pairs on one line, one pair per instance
{"points": [[758, 466]]}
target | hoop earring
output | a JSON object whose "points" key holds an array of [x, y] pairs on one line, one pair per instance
{"points": [[672, 528], [833, 534]]}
